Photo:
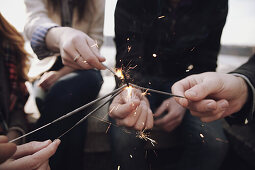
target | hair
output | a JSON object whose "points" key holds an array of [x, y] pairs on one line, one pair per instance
{"points": [[8, 34], [80, 5]]}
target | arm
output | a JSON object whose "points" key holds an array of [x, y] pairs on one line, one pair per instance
{"points": [[47, 37]]}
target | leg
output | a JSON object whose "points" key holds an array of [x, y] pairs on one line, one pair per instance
{"points": [[128, 150], [68, 93], [205, 144]]}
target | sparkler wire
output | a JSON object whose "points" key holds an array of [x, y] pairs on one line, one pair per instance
{"points": [[156, 91], [110, 69], [69, 114], [93, 111]]}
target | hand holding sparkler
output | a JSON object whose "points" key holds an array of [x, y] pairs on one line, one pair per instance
{"points": [[212, 95], [131, 109], [172, 118]]}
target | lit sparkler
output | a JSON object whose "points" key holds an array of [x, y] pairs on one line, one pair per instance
{"points": [[145, 136]]}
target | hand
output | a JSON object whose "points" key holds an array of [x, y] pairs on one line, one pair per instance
{"points": [[211, 95], [133, 112], [6, 149], [72, 43], [30, 156], [174, 116], [48, 79]]}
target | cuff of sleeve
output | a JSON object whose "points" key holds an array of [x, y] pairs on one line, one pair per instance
{"points": [[38, 43], [251, 100]]}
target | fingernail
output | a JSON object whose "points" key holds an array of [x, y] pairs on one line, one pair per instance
{"points": [[211, 105], [223, 104], [191, 94], [57, 141]]}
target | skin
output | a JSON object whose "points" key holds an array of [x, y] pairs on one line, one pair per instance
{"points": [[70, 43], [211, 96], [133, 112], [29, 156]]}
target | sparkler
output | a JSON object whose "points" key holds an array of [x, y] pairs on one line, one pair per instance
{"points": [[156, 91], [71, 113]]}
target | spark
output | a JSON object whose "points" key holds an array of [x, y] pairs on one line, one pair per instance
{"points": [[108, 128], [145, 136], [129, 92], [154, 55], [118, 167], [145, 93], [201, 135], [127, 39], [119, 74], [246, 121], [131, 156], [161, 17], [192, 48], [129, 48], [190, 67], [221, 140]]}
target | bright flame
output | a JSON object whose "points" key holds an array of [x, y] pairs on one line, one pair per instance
{"points": [[129, 91], [119, 73]]}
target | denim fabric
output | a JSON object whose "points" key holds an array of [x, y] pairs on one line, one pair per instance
{"points": [[68, 93]]}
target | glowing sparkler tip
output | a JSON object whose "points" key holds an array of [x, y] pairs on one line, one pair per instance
{"points": [[161, 17], [154, 55], [201, 135], [119, 74]]}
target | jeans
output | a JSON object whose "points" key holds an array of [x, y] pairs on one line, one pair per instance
{"points": [[68, 93], [200, 148]]}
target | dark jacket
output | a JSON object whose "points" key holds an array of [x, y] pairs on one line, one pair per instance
{"points": [[166, 42]]}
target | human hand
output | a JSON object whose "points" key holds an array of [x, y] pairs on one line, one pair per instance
{"points": [[6, 149], [48, 79], [72, 43], [133, 112], [174, 116], [211, 95], [31, 156]]}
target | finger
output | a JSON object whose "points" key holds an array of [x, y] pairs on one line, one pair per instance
{"points": [[95, 49], [87, 55], [171, 126], [149, 121], [35, 160], [83, 63], [212, 118], [201, 90], [161, 108], [169, 117], [30, 148], [44, 166], [140, 124], [68, 56], [6, 150], [3, 139], [206, 105], [121, 111], [221, 105], [132, 118]]}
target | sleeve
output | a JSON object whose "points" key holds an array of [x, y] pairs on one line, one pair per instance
{"points": [[247, 72], [37, 25], [97, 23]]}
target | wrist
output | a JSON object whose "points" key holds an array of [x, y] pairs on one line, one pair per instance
{"points": [[53, 38]]}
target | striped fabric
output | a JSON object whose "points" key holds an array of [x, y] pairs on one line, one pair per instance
{"points": [[38, 43]]}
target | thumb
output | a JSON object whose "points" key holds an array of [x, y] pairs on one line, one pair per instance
{"points": [[201, 90]]}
